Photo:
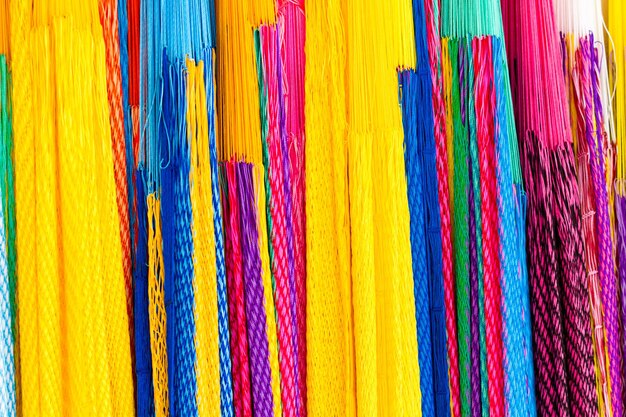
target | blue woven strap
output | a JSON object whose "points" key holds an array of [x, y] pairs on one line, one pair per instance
{"points": [[408, 80]]}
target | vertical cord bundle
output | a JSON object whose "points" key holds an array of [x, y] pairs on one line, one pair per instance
{"points": [[480, 116], [291, 25], [443, 303], [422, 187], [484, 122], [257, 328], [282, 271], [460, 177], [85, 350], [330, 343], [412, 86], [7, 329], [27, 367], [576, 24], [205, 268], [562, 346], [110, 26], [615, 21], [384, 311]]}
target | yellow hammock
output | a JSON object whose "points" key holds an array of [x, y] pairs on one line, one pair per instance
{"points": [[75, 357], [380, 40]]}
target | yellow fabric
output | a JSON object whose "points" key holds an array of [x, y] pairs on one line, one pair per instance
{"points": [[47, 222], [270, 309], [75, 355], [156, 294], [205, 269], [380, 39], [238, 99], [97, 373], [23, 129], [330, 343]]}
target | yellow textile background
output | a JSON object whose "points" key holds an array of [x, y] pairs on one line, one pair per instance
{"points": [[330, 341], [380, 40], [75, 357]]}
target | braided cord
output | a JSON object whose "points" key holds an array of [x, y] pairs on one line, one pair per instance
{"points": [[167, 177], [291, 18], [511, 291], [7, 344], [529, 370], [8, 192], [408, 81], [484, 120], [605, 249], [263, 199], [262, 401], [48, 262], [185, 383], [291, 188], [226, 383], [461, 234], [109, 19], [156, 294], [576, 321], [468, 97], [546, 314], [620, 207], [236, 301], [330, 355], [205, 284], [27, 365], [116, 352], [474, 295], [145, 290], [607, 165], [446, 392], [277, 213], [268, 290], [589, 231]]}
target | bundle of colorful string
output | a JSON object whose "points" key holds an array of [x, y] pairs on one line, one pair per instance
{"points": [[559, 300], [7, 232], [585, 73], [616, 19], [311, 207], [495, 359]]}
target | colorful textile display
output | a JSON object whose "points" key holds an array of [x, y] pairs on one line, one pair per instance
{"points": [[311, 208]]}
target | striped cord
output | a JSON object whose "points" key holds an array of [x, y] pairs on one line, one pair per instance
{"points": [[263, 38], [262, 401], [446, 391], [484, 121], [278, 239], [226, 382], [511, 290], [474, 296], [468, 96], [236, 301], [461, 233], [605, 247], [7, 341]]}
